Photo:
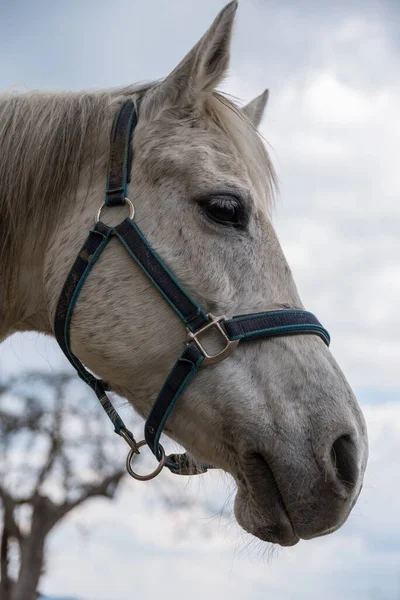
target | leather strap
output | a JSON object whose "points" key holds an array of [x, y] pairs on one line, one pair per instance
{"points": [[93, 246], [275, 323], [177, 381], [119, 165], [154, 267], [186, 366]]}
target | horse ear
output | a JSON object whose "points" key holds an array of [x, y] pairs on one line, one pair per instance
{"points": [[206, 64], [254, 110]]}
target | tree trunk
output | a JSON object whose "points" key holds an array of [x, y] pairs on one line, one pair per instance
{"points": [[31, 566], [5, 583], [32, 551]]}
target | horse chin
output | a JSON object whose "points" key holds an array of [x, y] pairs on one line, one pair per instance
{"points": [[272, 525], [259, 507]]}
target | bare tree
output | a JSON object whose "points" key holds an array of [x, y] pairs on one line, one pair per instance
{"points": [[57, 450], [54, 455]]}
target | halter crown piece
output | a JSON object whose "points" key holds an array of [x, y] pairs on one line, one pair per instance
{"points": [[197, 321]]}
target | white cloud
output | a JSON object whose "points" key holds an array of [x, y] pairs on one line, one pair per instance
{"points": [[317, 148], [333, 103]]}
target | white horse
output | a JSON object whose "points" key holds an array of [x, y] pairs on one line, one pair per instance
{"points": [[279, 415]]}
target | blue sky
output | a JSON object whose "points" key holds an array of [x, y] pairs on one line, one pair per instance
{"points": [[332, 123]]}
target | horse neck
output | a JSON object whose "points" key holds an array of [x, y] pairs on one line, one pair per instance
{"points": [[24, 290], [22, 300], [31, 285]]}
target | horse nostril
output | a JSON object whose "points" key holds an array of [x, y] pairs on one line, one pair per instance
{"points": [[344, 460]]}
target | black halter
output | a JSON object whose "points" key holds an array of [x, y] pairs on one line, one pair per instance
{"points": [[196, 320]]}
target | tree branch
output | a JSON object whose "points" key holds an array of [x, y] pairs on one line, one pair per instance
{"points": [[9, 521], [48, 464], [56, 441], [106, 488]]}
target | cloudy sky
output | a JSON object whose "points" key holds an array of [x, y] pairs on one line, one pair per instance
{"points": [[333, 70]]}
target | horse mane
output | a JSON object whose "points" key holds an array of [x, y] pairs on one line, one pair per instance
{"points": [[250, 145], [46, 139]]}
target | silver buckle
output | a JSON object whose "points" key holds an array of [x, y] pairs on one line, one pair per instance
{"points": [[210, 359]]}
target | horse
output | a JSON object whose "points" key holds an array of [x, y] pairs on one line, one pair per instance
{"points": [[278, 414]]}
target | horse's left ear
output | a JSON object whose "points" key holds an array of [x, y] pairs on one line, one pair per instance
{"points": [[206, 64], [254, 110]]}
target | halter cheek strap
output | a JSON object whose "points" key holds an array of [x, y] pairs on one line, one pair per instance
{"points": [[196, 320]]}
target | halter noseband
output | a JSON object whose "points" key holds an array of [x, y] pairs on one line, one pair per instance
{"points": [[196, 320]]}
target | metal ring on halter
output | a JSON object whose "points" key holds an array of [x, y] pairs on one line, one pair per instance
{"points": [[151, 475], [127, 201]]}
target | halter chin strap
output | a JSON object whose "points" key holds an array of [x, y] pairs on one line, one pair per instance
{"points": [[196, 320]]}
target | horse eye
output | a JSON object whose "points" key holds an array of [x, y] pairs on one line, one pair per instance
{"points": [[226, 210]]}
